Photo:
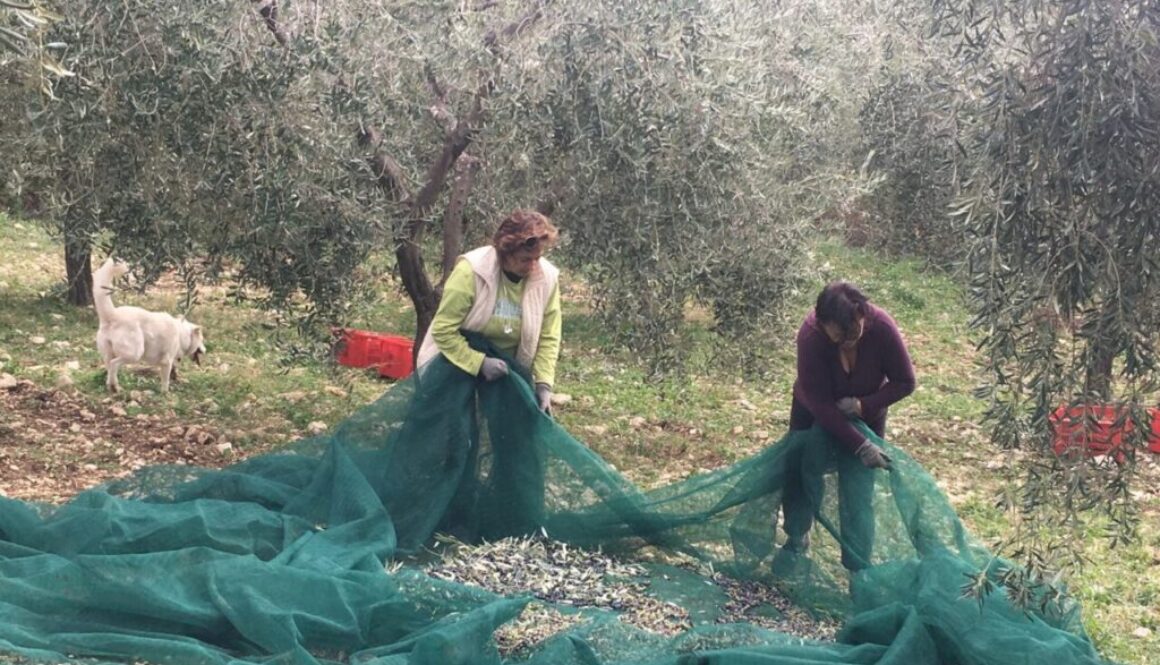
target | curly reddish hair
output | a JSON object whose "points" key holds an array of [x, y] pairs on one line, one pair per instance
{"points": [[518, 228]]}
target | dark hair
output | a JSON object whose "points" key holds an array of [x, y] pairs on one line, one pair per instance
{"points": [[524, 228], [840, 303]]}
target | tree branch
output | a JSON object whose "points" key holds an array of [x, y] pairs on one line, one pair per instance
{"points": [[439, 108], [389, 173], [453, 224], [269, 11], [461, 136], [492, 40], [553, 197], [453, 146], [436, 87]]}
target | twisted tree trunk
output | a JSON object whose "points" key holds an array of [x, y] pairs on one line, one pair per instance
{"points": [[416, 206], [78, 270]]}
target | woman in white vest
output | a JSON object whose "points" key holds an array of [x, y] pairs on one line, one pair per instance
{"points": [[509, 293]]}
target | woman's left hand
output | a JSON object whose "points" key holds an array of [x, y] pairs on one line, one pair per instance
{"points": [[544, 397]]}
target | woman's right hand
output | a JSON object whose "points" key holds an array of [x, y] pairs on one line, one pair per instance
{"points": [[851, 407], [872, 456], [492, 369]]}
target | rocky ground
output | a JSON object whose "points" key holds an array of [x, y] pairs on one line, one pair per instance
{"points": [[55, 443]]}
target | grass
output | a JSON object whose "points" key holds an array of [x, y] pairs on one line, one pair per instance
{"points": [[655, 432]]}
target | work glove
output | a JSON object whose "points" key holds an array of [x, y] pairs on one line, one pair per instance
{"points": [[851, 407], [872, 456], [492, 369], [544, 397]]}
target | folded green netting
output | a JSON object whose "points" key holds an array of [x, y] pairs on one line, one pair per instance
{"points": [[281, 558]]}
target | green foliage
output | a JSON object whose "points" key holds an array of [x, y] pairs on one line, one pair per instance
{"points": [[26, 64], [674, 150], [1060, 194], [190, 140], [24, 55], [911, 148]]}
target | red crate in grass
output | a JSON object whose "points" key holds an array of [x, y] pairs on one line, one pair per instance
{"points": [[400, 362], [1097, 429], [390, 354]]}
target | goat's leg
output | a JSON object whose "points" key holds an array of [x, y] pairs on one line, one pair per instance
{"points": [[166, 371], [111, 367]]}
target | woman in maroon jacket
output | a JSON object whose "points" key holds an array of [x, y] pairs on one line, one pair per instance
{"points": [[851, 363]]}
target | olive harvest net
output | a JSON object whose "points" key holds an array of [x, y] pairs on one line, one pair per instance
{"points": [[301, 556]]}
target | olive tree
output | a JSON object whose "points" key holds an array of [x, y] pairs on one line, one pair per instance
{"points": [[22, 26], [1060, 196], [191, 140], [910, 148], [688, 147], [669, 146], [26, 63], [281, 145]]}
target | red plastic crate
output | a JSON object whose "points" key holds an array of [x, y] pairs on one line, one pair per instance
{"points": [[401, 362], [390, 354], [1103, 434]]}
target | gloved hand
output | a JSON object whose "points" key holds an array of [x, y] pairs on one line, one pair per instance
{"points": [[544, 397], [872, 456], [492, 369], [851, 407]]}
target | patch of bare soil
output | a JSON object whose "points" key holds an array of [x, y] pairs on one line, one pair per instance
{"points": [[55, 443]]}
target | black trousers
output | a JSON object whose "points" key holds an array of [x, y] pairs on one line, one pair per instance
{"points": [[804, 492]]}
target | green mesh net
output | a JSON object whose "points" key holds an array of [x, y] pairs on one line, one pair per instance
{"points": [[294, 557]]}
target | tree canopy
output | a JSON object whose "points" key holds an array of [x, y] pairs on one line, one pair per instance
{"points": [[1060, 190], [288, 145]]}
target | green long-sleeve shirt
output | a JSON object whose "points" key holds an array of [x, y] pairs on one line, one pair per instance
{"points": [[502, 329]]}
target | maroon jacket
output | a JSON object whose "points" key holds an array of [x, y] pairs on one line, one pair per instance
{"points": [[882, 375]]}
